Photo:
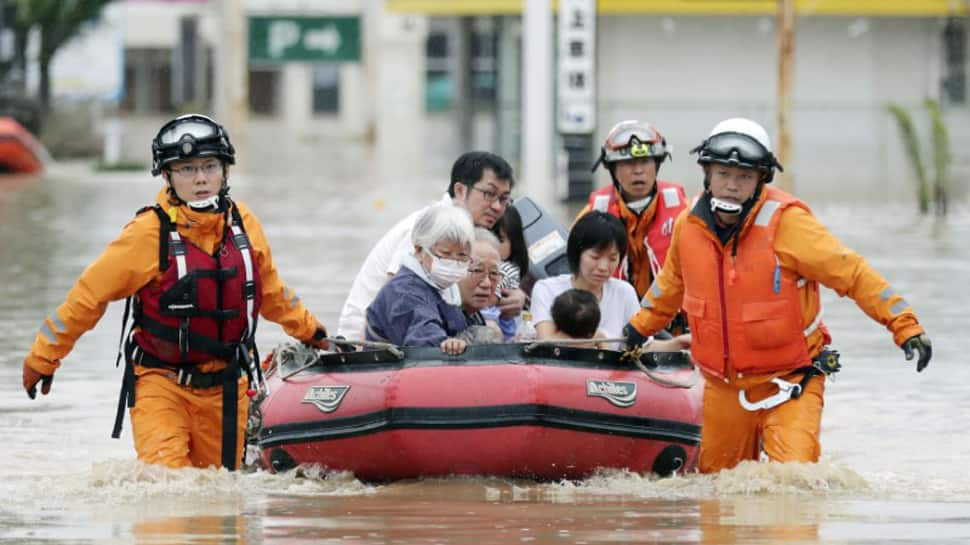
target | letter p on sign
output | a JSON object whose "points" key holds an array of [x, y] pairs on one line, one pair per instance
{"points": [[282, 34]]}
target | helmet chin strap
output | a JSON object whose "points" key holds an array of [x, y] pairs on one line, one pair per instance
{"points": [[726, 207], [208, 203], [212, 203]]}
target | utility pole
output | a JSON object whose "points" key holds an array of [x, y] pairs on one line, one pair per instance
{"points": [[232, 82], [786, 69], [537, 101]]}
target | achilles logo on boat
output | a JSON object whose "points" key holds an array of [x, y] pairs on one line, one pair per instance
{"points": [[326, 398], [621, 394]]}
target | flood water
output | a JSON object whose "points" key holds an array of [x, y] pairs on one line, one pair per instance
{"points": [[895, 443]]}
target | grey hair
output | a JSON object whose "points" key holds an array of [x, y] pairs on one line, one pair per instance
{"points": [[484, 235], [443, 222]]}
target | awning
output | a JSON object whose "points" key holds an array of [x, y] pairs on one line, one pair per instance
{"points": [[875, 8]]}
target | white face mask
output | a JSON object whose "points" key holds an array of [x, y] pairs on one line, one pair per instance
{"points": [[445, 272]]}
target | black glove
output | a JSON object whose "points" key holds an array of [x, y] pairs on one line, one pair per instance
{"points": [[31, 378], [319, 338], [633, 337], [921, 344]]}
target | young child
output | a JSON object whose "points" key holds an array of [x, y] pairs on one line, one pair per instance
{"points": [[576, 315], [515, 260]]}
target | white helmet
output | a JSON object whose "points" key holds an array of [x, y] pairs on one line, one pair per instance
{"points": [[739, 142]]}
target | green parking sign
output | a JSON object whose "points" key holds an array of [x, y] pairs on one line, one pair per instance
{"points": [[284, 39]]}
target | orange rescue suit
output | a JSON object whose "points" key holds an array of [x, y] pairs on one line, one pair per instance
{"points": [[173, 425], [648, 233], [754, 314]]}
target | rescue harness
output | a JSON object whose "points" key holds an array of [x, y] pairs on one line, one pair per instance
{"points": [[825, 363], [181, 326]]}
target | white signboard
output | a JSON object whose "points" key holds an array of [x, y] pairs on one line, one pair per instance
{"points": [[577, 38]]}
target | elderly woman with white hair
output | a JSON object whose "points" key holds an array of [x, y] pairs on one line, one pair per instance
{"points": [[417, 307]]}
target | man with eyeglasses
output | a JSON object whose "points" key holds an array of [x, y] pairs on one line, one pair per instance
{"points": [[197, 273], [633, 153], [746, 264], [481, 182], [478, 288]]}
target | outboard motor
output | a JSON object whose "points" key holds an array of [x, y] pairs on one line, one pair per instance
{"points": [[545, 239]]}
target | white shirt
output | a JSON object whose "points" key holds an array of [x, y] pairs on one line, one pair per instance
{"points": [[618, 305], [381, 263]]}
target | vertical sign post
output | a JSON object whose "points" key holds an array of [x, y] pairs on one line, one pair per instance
{"points": [[576, 110], [577, 40]]}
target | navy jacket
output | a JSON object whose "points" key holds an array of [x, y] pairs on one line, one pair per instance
{"points": [[410, 312]]}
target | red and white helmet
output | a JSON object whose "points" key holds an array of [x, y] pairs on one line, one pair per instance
{"points": [[632, 140]]}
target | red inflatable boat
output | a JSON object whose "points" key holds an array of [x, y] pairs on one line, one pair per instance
{"points": [[535, 411], [20, 152]]}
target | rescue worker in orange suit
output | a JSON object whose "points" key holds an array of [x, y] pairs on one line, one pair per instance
{"points": [[745, 265], [198, 272], [633, 152]]}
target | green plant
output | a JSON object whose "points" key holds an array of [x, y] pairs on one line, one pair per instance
{"points": [[911, 145], [941, 155]]}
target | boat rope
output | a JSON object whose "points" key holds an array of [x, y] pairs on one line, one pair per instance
{"points": [[392, 348], [666, 381], [303, 356]]}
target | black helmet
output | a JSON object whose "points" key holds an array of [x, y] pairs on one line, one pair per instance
{"points": [[189, 136], [742, 143]]}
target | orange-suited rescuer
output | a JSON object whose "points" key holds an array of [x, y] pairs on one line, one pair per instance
{"points": [[198, 273], [633, 153], [745, 264]]}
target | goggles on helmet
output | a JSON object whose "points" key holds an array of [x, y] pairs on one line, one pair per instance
{"points": [[190, 136], [737, 150], [632, 140]]}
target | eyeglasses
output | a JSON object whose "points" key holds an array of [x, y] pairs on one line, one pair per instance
{"points": [[479, 272], [491, 196], [189, 171]]}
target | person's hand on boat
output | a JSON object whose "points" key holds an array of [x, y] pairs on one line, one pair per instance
{"points": [[453, 346], [511, 303], [920, 346], [634, 339], [319, 338], [677, 344], [32, 377]]}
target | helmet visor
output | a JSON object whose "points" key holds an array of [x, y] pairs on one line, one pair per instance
{"points": [[737, 148], [197, 128], [634, 136]]}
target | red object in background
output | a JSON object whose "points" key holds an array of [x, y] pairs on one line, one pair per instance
{"points": [[20, 152]]}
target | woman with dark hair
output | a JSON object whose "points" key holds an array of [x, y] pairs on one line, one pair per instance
{"points": [[596, 245]]}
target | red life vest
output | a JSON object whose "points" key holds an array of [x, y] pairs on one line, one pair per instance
{"points": [[671, 199], [203, 307], [745, 311]]}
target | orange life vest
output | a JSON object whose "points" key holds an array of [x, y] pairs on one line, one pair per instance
{"points": [[745, 311], [670, 200]]}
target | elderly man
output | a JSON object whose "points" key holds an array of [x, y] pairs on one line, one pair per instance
{"points": [[478, 289]]}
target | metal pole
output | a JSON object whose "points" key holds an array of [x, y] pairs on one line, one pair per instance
{"points": [[786, 68], [536, 167], [232, 99]]}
